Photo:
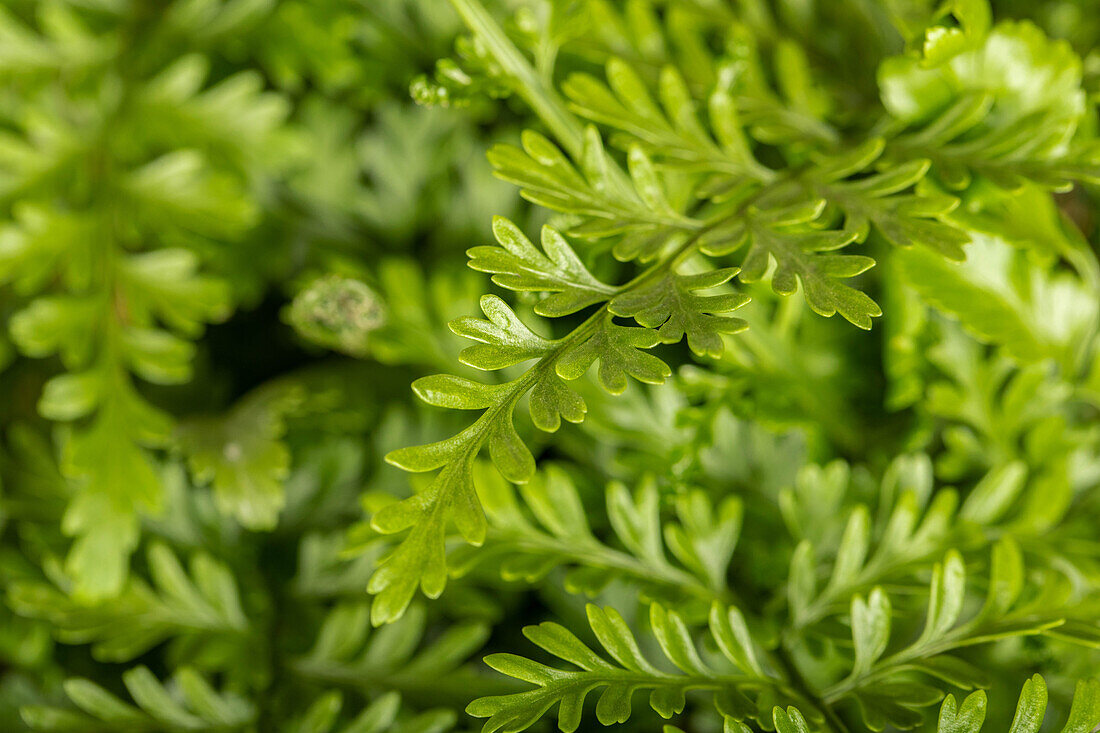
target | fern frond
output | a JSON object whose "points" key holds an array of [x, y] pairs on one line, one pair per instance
{"points": [[396, 657], [1004, 613], [504, 341], [518, 265], [1034, 320], [701, 541], [671, 132], [186, 703], [241, 454], [910, 535], [103, 249], [381, 716], [605, 207], [192, 607], [783, 235], [738, 692], [975, 118]]}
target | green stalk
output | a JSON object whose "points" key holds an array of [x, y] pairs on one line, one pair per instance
{"points": [[544, 100]]}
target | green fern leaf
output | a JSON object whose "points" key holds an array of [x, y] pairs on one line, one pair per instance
{"points": [[190, 704], [518, 265], [630, 672], [776, 236], [619, 352], [671, 306], [242, 455]]}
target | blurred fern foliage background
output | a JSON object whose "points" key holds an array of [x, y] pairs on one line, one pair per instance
{"points": [[416, 366]]}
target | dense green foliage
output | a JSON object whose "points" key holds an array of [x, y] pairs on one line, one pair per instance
{"points": [[754, 350]]}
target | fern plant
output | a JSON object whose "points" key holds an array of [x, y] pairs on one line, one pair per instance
{"points": [[752, 349]]}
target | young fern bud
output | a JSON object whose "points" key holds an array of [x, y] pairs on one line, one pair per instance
{"points": [[338, 313]]}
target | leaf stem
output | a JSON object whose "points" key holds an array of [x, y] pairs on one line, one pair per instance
{"points": [[543, 99]]}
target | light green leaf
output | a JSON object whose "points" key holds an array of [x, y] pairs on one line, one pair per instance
{"points": [[518, 265], [671, 306], [965, 719], [870, 629], [504, 339], [618, 349], [242, 454], [776, 237], [1031, 707]]}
